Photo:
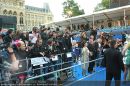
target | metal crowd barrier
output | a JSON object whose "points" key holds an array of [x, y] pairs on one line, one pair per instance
{"points": [[27, 60], [53, 72], [60, 70]]}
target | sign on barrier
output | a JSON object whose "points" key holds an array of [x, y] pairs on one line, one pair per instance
{"points": [[55, 58], [46, 59], [38, 61], [69, 54]]}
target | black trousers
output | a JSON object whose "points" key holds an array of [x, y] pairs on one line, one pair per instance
{"points": [[91, 64], [110, 75]]}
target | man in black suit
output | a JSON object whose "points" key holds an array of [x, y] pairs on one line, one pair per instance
{"points": [[114, 64]]}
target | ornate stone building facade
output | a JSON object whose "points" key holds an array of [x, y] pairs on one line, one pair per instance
{"points": [[27, 16], [37, 16]]}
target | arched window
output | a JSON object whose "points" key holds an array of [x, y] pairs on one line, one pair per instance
{"points": [[15, 13], [21, 18], [21, 14], [5, 11], [10, 12]]}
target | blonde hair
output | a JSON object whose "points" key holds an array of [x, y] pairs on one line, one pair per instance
{"points": [[128, 45]]}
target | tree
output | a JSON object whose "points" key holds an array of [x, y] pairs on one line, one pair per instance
{"points": [[103, 5], [99, 7], [70, 9]]}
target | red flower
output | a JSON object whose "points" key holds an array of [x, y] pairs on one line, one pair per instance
{"points": [[18, 44]]}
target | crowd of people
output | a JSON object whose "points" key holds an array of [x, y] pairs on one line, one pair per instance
{"points": [[43, 42]]}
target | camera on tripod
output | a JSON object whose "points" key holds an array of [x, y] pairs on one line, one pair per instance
{"points": [[3, 50]]}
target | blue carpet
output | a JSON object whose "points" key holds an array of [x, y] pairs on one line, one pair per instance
{"points": [[97, 78]]}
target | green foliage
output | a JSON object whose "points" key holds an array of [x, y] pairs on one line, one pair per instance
{"points": [[99, 7], [70, 8], [103, 5]]}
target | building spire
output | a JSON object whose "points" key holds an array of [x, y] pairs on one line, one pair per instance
{"points": [[46, 7]]}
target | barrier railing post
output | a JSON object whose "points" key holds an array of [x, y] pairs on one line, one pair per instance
{"points": [[74, 67], [27, 63], [125, 17], [41, 72], [56, 77]]}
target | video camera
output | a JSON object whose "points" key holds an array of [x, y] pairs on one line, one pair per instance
{"points": [[3, 50], [3, 46]]}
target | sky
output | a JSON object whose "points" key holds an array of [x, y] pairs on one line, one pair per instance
{"points": [[57, 8]]}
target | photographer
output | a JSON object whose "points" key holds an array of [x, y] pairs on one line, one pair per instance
{"points": [[9, 64], [38, 50], [67, 41], [55, 47], [8, 38], [91, 46], [119, 45], [21, 54]]}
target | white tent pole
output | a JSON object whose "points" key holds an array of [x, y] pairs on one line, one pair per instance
{"points": [[93, 20], [109, 4], [125, 17], [71, 24]]}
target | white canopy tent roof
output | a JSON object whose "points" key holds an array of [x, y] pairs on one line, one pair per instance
{"points": [[101, 15]]}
